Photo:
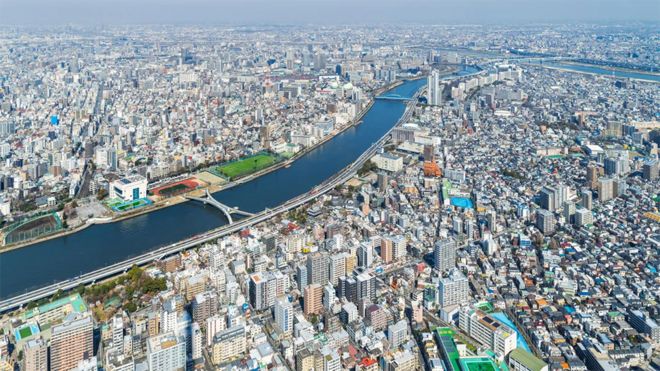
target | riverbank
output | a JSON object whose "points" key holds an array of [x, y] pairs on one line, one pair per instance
{"points": [[109, 249], [172, 201], [597, 70]]}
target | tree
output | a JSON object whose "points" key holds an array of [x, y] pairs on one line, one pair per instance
{"points": [[101, 194], [130, 307], [367, 167]]}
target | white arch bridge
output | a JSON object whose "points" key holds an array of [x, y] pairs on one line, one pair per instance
{"points": [[228, 211]]}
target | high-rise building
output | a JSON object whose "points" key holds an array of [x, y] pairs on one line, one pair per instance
{"points": [[317, 269], [434, 89], [214, 325], [229, 344], [313, 301], [592, 176], [643, 323], [614, 166], [444, 255], [348, 288], [583, 216], [550, 198], [619, 187], [117, 331], [71, 342], [650, 170], [196, 341], [366, 287], [453, 289], [545, 221], [586, 198], [569, 211], [301, 277], [336, 268], [265, 287], [168, 317], [204, 305], [166, 352], [605, 189], [399, 244], [386, 250], [35, 355], [365, 254], [329, 296], [283, 314], [397, 333]]}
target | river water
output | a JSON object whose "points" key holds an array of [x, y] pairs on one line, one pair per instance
{"points": [[66, 257]]}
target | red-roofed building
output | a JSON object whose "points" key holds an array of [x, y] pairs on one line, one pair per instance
{"points": [[368, 364]]}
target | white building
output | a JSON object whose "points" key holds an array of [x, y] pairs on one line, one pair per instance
{"points": [[283, 314], [166, 352], [434, 89], [388, 162], [453, 289], [129, 188], [488, 331]]}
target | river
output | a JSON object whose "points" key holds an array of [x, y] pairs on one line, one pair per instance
{"points": [[596, 70], [66, 257]]}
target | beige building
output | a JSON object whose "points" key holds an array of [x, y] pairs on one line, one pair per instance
{"points": [[35, 355], [229, 344], [313, 302], [71, 342]]}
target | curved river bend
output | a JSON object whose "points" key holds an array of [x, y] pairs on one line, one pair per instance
{"points": [[66, 257]]}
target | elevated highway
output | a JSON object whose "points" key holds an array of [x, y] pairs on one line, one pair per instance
{"points": [[344, 175]]}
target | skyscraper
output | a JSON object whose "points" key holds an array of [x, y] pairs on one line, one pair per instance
{"points": [[444, 255], [71, 342], [434, 89]]}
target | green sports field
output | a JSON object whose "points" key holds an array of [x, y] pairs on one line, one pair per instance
{"points": [[246, 166]]}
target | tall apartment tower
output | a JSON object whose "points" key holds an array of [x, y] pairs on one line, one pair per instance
{"points": [[313, 302], [444, 255], [71, 342], [35, 355], [434, 89], [317, 269]]}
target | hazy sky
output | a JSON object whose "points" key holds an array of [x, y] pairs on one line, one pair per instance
{"points": [[323, 11]]}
